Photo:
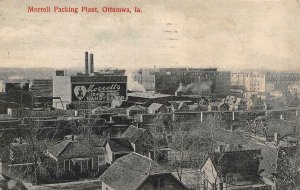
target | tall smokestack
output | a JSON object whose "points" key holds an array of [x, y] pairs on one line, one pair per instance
{"points": [[86, 71], [91, 63]]}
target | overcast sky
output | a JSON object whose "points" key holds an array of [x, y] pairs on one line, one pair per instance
{"points": [[228, 34]]}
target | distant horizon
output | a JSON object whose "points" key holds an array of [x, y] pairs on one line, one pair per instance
{"points": [[230, 35], [144, 68]]}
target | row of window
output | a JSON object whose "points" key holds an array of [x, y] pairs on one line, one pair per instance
{"points": [[247, 75]]}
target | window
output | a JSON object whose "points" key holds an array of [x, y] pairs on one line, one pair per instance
{"points": [[90, 164], [162, 183], [84, 165], [159, 183], [67, 165]]}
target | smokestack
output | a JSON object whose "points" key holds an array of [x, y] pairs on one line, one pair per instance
{"points": [[91, 63], [276, 138], [86, 71]]}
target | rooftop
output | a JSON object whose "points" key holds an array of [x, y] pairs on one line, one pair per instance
{"points": [[132, 134], [119, 145], [149, 95], [79, 147], [130, 171]]}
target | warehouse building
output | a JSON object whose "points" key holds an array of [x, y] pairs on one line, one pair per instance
{"points": [[88, 90]]}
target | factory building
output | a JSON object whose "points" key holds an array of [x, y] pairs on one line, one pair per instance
{"points": [[7, 85], [41, 87], [192, 81], [42, 91], [14, 93], [144, 78], [88, 90]]}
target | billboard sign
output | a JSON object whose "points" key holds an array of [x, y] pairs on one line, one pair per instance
{"points": [[103, 92]]}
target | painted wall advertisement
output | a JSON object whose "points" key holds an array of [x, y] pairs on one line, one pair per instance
{"points": [[104, 92]]}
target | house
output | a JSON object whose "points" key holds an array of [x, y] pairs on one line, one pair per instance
{"points": [[233, 102], [232, 170], [157, 108], [116, 148], [249, 104], [272, 162], [224, 107], [136, 109], [77, 156], [140, 139], [137, 172], [214, 106], [242, 105]]}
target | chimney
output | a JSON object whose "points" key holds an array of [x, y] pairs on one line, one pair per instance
{"points": [[86, 71], [276, 138], [220, 148], [91, 63]]}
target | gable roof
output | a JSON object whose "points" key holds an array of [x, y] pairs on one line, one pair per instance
{"points": [[245, 162], [78, 148], [58, 148], [132, 134], [130, 171], [269, 154], [119, 145]]}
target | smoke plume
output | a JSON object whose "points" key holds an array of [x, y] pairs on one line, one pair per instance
{"points": [[198, 88], [132, 84]]}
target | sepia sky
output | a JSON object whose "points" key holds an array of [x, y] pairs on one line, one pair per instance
{"points": [[228, 34]]}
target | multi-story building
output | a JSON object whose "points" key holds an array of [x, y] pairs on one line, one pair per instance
{"points": [[251, 81], [281, 81], [42, 93], [199, 81], [14, 93], [41, 87], [7, 85], [146, 79], [88, 90], [294, 88]]}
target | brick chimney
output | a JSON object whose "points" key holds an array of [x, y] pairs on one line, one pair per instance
{"points": [[91, 63], [86, 68]]}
